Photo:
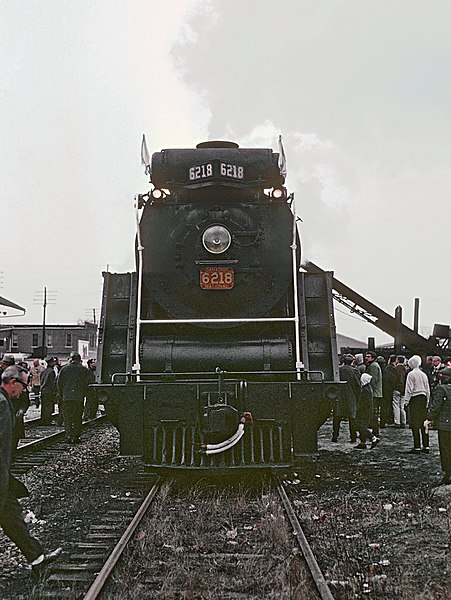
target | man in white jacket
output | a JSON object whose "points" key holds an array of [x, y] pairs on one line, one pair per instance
{"points": [[416, 400]]}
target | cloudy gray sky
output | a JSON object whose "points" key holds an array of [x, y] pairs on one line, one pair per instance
{"points": [[360, 91]]}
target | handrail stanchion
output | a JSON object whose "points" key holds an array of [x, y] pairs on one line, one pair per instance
{"points": [[137, 365], [299, 364]]}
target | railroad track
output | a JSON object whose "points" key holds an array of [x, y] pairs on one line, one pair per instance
{"points": [[102, 561], [45, 442]]}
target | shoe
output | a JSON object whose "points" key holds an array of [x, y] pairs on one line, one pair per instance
{"points": [[414, 451], [335, 439], [425, 450], [360, 446], [38, 571], [352, 440], [375, 443]]}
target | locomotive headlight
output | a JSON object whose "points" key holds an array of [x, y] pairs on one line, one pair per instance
{"points": [[216, 239]]}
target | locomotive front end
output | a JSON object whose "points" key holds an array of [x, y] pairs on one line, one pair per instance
{"points": [[218, 352]]}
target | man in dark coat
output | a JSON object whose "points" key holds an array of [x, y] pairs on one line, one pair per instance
{"points": [[49, 392], [14, 381], [346, 404], [439, 413], [20, 404], [373, 369], [72, 382], [388, 385]]}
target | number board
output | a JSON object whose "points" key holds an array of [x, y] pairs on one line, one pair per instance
{"points": [[216, 168], [217, 278]]}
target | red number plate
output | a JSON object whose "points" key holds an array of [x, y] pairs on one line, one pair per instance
{"points": [[217, 278]]}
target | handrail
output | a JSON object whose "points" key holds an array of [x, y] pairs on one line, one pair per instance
{"points": [[210, 375]]}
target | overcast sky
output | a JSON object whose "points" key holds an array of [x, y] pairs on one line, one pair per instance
{"points": [[360, 91]]}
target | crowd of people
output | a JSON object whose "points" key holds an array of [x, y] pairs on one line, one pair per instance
{"points": [[396, 393], [66, 386]]}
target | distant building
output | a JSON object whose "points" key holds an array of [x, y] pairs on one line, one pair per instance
{"points": [[344, 343], [61, 340]]}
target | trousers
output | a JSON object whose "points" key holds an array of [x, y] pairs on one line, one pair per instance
{"points": [[12, 523], [72, 414], [444, 443], [399, 414]]}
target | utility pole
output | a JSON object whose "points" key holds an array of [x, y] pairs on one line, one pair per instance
{"points": [[44, 307], [45, 299], [88, 313], [416, 314]]}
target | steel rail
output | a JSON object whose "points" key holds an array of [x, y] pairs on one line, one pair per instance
{"points": [[40, 442], [310, 559], [96, 587]]}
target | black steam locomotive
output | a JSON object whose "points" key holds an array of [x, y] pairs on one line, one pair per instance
{"points": [[218, 352]]}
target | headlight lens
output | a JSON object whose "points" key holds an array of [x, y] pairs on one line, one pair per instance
{"points": [[216, 239]]}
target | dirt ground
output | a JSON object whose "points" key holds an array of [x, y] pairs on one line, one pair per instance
{"points": [[376, 519]]}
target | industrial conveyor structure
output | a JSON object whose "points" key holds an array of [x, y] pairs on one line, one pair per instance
{"points": [[393, 326]]}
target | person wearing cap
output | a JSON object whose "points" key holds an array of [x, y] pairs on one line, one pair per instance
{"points": [[72, 383], [13, 381], [416, 398], [439, 413], [49, 394]]}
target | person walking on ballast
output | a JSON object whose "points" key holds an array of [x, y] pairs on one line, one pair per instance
{"points": [[14, 381]]}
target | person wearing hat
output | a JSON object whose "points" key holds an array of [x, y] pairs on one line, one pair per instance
{"points": [[13, 381], [6, 362], [72, 384], [20, 403], [439, 413], [49, 393]]}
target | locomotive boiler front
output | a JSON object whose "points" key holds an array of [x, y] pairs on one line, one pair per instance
{"points": [[216, 246]]}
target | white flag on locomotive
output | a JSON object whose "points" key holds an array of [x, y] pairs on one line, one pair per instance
{"points": [[282, 159], [145, 156]]}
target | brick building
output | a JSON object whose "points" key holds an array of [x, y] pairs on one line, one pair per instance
{"points": [[61, 340]]}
